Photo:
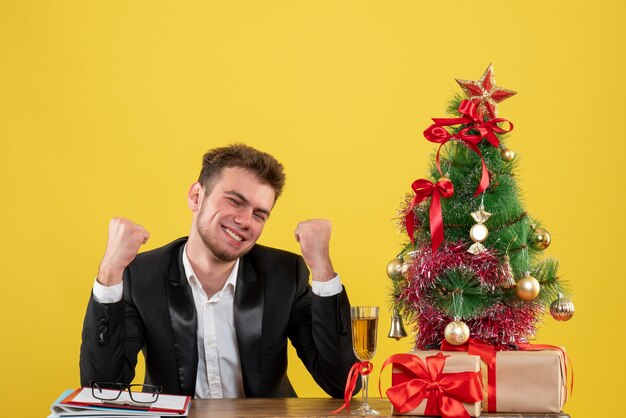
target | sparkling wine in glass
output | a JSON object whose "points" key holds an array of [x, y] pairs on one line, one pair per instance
{"points": [[364, 332]]}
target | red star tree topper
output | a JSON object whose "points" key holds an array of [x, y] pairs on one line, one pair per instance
{"points": [[485, 93]]}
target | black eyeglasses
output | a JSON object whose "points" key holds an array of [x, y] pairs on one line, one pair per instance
{"points": [[139, 394]]}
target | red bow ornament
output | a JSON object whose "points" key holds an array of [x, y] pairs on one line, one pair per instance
{"points": [[485, 129], [444, 392], [423, 190]]}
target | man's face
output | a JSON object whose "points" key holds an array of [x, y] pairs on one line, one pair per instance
{"points": [[231, 218]]}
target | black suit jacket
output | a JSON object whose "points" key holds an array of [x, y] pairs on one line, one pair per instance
{"points": [[273, 302]]}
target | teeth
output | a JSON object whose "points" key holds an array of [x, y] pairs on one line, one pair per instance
{"points": [[233, 235]]}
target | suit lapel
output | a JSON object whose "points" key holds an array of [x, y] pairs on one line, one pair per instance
{"points": [[184, 323], [248, 323]]}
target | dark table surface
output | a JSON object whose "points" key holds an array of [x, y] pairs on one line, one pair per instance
{"points": [[304, 407]]}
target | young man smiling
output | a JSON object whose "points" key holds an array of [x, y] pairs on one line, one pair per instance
{"points": [[213, 312]]}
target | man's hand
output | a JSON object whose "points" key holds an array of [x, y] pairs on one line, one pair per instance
{"points": [[314, 238], [125, 238]]}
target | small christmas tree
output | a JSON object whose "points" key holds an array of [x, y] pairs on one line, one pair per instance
{"points": [[473, 265]]}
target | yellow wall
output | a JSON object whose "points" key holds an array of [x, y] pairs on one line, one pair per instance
{"points": [[107, 106]]}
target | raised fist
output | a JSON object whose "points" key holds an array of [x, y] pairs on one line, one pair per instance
{"points": [[314, 238], [125, 239]]}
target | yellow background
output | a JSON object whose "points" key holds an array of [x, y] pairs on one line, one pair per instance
{"points": [[107, 106]]}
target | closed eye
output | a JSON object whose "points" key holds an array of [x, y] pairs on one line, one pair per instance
{"points": [[238, 200], [260, 216]]}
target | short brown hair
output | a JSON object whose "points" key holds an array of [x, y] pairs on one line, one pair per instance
{"points": [[263, 165]]}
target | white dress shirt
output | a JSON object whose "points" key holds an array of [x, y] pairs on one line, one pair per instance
{"points": [[219, 366]]}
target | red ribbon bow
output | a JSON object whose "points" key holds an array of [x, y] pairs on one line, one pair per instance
{"points": [[444, 392], [362, 368], [487, 353], [423, 189], [473, 117]]}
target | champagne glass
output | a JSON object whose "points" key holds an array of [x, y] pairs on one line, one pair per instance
{"points": [[364, 330]]}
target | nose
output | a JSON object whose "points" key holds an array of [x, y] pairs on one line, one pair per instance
{"points": [[243, 218]]}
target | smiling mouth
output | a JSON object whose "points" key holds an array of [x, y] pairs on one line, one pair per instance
{"points": [[232, 234]]}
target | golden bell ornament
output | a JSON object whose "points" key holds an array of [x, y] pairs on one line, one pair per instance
{"points": [[393, 269], [507, 154], [562, 309], [457, 332], [397, 330], [541, 239], [527, 287]]}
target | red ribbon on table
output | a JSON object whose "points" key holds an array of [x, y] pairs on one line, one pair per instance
{"points": [[423, 190], [444, 392], [360, 368], [487, 353], [473, 117]]}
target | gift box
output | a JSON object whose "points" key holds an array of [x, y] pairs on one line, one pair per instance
{"points": [[435, 384], [532, 380]]}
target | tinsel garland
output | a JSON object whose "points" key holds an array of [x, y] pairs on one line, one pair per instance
{"points": [[502, 326], [426, 266], [504, 322]]}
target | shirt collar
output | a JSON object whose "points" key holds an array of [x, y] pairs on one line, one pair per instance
{"points": [[191, 276]]}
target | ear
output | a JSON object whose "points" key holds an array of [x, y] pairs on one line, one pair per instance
{"points": [[195, 196]]}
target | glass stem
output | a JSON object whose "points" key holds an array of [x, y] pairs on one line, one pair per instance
{"points": [[364, 380]]}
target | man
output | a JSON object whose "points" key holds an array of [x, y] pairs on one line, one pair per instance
{"points": [[213, 312]]}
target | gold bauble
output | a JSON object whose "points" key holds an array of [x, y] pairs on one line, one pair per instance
{"points": [[527, 287], [393, 269], [404, 270], [478, 232], [456, 332], [444, 178], [507, 154], [562, 309], [541, 239]]}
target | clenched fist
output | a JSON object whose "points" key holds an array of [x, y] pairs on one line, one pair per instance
{"points": [[314, 238], [125, 238]]}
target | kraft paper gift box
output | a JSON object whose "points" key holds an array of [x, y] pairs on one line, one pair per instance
{"points": [[455, 363], [530, 381], [533, 380]]}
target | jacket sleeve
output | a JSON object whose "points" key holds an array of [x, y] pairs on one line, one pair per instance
{"points": [[319, 330], [111, 339]]}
